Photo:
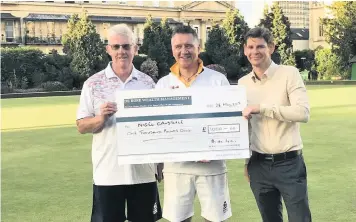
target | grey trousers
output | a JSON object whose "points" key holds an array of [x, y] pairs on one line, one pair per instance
{"points": [[271, 181]]}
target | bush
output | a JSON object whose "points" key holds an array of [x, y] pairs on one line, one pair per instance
{"points": [[38, 78], [57, 68], [66, 76], [21, 62], [205, 58], [232, 67], [328, 64], [150, 68], [24, 83], [217, 68], [308, 59], [138, 60], [5, 88], [28, 90], [27, 67], [53, 86]]}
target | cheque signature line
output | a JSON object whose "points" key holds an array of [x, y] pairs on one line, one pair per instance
{"points": [[170, 138]]}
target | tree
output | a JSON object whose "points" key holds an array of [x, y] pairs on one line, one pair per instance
{"points": [[267, 20], [280, 28], [166, 35], [70, 34], [158, 52], [340, 31], [225, 44], [150, 68], [327, 64], [85, 47], [156, 44], [148, 35], [304, 59], [217, 46], [235, 28]]}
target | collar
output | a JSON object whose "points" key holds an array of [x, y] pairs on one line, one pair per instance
{"points": [[175, 68], [268, 73], [109, 73]]}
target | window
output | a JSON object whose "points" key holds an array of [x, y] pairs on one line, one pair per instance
{"points": [[50, 29], [196, 29], [208, 29], [321, 29], [105, 26], [156, 3], [30, 26], [9, 31], [97, 28]]}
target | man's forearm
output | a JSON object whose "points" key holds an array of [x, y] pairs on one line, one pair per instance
{"points": [[296, 113], [90, 124]]}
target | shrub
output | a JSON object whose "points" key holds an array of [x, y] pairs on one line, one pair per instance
{"points": [[22, 62], [205, 58], [328, 64], [32, 90], [308, 59], [150, 68], [5, 88], [53, 86], [38, 78], [232, 67], [66, 76], [138, 60], [218, 68], [24, 82], [27, 67]]}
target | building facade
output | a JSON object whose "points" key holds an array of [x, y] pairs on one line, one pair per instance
{"points": [[42, 24], [300, 38], [318, 11], [297, 13]]}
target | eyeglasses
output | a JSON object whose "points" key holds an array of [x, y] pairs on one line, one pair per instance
{"points": [[124, 46]]}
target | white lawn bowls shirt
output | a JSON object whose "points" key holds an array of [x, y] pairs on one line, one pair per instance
{"points": [[98, 89], [206, 78]]}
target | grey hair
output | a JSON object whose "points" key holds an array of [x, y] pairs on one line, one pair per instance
{"points": [[122, 30]]}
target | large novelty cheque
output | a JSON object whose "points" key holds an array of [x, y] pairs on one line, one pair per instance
{"points": [[175, 125]]}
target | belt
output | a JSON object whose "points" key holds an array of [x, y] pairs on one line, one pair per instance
{"points": [[276, 157]]}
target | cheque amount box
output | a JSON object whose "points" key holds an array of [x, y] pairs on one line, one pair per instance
{"points": [[226, 128]]}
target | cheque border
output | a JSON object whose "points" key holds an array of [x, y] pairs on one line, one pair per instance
{"points": [[179, 116]]}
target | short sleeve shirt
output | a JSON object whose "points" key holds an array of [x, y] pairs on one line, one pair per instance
{"points": [[98, 89], [207, 78]]}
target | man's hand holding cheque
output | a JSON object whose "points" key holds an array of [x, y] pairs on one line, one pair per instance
{"points": [[165, 125]]}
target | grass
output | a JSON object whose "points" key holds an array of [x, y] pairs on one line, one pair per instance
{"points": [[46, 164]]}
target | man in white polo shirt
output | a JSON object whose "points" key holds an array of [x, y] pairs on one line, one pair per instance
{"points": [[116, 185], [184, 180]]}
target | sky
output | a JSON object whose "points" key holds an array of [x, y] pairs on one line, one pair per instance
{"points": [[252, 10]]}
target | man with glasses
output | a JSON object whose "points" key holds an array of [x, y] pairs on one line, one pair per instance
{"points": [[116, 185]]}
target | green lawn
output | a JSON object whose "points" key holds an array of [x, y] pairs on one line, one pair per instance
{"points": [[46, 164]]}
